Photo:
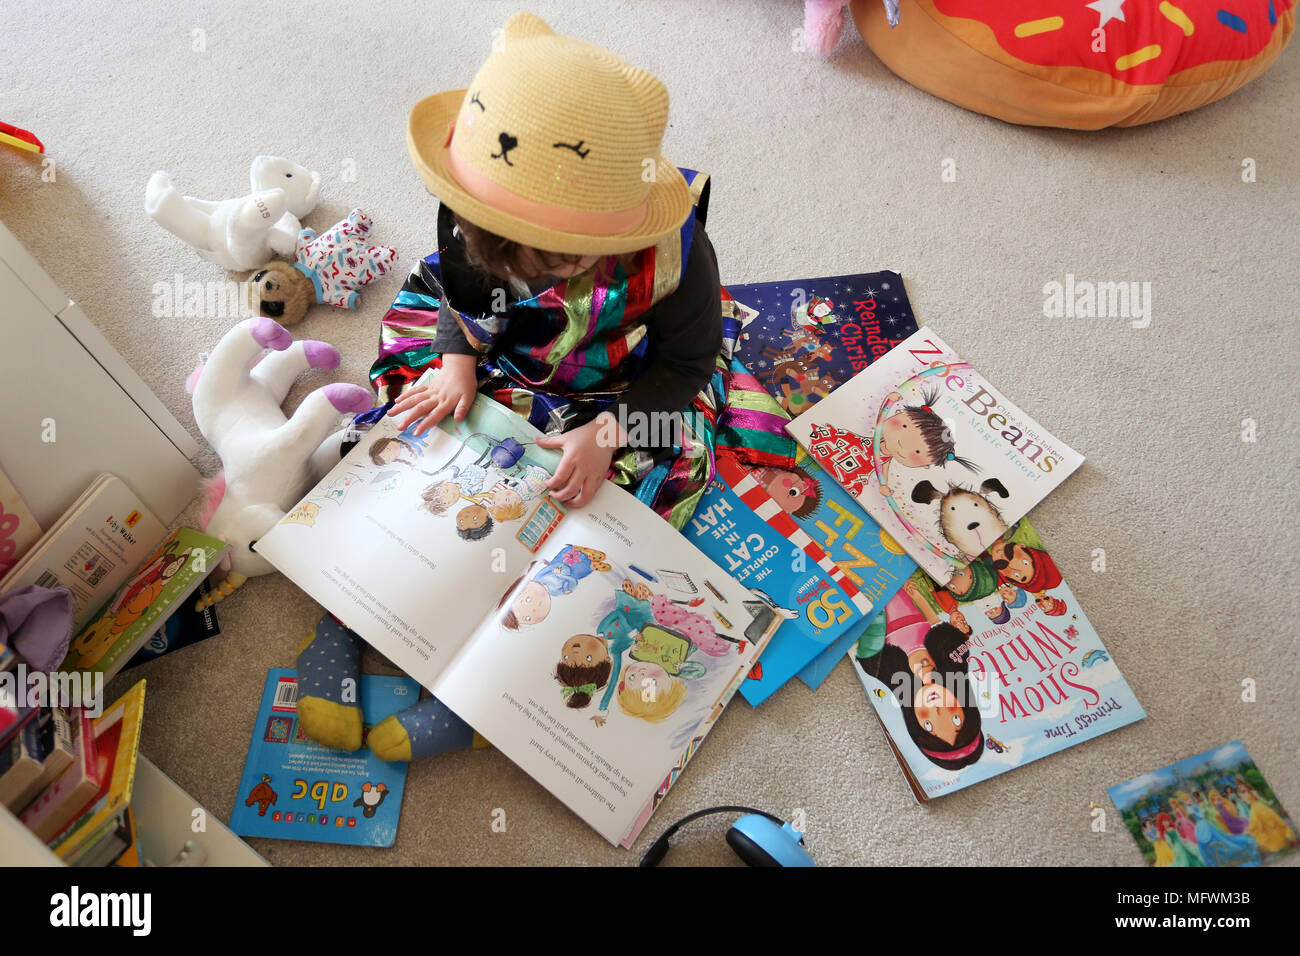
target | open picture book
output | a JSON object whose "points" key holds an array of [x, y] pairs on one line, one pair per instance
{"points": [[594, 646]]}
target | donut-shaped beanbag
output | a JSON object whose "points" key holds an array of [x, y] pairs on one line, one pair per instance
{"points": [[1079, 64]]}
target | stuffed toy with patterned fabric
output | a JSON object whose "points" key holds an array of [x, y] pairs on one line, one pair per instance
{"points": [[329, 269]]}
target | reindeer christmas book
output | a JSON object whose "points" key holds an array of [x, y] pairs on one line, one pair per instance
{"points": [[939, 457], [802, 338]]}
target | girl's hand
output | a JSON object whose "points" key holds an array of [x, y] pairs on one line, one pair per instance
{"points": [[598, 720], [452, 390], [585, 456]]}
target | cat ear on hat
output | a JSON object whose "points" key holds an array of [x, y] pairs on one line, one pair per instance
{"points": [[651, 95], [522, 25]]}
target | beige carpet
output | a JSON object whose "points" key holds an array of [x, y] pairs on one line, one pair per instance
{"points": [[818, 168]]}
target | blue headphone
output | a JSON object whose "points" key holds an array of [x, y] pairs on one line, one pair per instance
{"points": [[759, 838]]}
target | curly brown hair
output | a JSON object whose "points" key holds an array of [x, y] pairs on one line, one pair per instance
{"points": [[497, 257]]}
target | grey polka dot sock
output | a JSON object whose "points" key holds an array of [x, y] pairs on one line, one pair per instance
{"points": [[332, 657]]}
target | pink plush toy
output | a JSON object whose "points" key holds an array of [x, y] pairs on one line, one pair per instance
{"points": [[823, 22]]}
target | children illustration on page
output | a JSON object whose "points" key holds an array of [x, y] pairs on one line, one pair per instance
{"points": [[639, 658]]}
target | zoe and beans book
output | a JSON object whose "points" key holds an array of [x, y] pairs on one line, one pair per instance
{"points": [[296, 789], [992, 671], [935, 454], [594, 646]]}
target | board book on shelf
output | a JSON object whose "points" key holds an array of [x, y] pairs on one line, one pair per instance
{"points": [[91, 549], [188, 624], [802, 338], [565, 637], [993, 671], [293, 788], [814, 554], [105, 831], [932, 451], [35, 757], [64, 800], [159, 586]]}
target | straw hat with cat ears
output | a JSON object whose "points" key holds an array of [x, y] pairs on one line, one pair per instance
{"points": [[555, 145]]}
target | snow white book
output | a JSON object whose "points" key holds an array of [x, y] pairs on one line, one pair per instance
{"points": [[993, 671], [938, 456], [594, 646]]}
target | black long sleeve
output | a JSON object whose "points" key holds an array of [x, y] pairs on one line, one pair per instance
{"points": [[685, 331]]}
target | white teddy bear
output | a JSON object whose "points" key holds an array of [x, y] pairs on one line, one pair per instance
{"points": [[239, 234], [267, 457]]}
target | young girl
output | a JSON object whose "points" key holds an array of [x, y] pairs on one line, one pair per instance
{"points": [[573, 281]]}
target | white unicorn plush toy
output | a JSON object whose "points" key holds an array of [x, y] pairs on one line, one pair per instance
{"points": [[239, 234], [266, 456]]}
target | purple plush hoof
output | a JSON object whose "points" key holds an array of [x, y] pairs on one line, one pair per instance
{"points": [[349, 398], [320, 354], [269, 334]]}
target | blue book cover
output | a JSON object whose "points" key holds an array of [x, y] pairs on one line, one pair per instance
{"points": [[803, 337], [296, 789], [820, 559], [820, 667]]}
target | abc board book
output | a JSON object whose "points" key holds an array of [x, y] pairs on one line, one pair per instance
{"points": [[165, 579], [804, 337], [934, 453], [571, 639], [296, 789], [991, 672], [1213, 809], [804, 547]]}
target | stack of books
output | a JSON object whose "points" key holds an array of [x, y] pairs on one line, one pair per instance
{"points": [[66, 764]]}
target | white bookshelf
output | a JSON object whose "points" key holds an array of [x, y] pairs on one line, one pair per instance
{"points": [[164, 815], [54, 364]]}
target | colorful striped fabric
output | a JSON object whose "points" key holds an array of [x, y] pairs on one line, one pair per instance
{"points": [[764, 505], [574, 348]]}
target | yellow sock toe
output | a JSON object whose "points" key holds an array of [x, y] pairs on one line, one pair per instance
{"points": [[334, 725], [388, 740]]}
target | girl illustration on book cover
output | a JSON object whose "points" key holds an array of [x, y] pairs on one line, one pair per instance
{"points": [[914, 437], [925, 666]]}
